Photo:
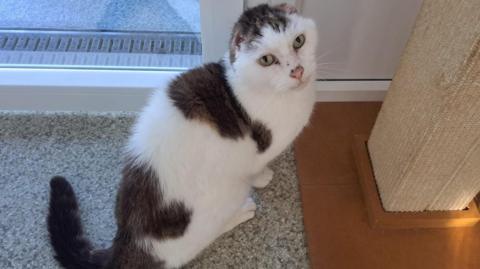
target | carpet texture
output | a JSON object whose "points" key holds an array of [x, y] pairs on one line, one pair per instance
{"points": [[86, 149]]}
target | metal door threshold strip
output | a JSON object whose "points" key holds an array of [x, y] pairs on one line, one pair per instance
{"points": [[99, 49]]}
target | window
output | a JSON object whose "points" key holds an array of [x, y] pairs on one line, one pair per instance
{"points": [[104, 55], [100, 34]]}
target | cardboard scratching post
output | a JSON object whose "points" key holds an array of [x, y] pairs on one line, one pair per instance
{"points": [[425, 145]]}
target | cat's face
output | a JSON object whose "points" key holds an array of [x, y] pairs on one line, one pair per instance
{"points": [[273, 49]]}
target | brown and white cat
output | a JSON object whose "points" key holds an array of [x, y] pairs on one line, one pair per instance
{"points": [[200, 146]]}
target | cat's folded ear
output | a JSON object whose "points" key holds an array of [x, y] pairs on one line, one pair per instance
{"points": [[287, 8], [235, 42], [237, 39]]}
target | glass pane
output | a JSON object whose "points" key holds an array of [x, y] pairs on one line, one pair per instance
{"points": [[144, 34]]}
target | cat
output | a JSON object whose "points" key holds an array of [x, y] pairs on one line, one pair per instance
{"points": [[199, 146]]}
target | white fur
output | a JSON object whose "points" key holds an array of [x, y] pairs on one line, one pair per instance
{"points": [[213, 175]]}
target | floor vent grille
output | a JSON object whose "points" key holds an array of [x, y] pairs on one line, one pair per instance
{"points": [[177, 49]]}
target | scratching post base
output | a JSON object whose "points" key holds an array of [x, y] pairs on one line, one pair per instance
{"points": [[379, 218]]}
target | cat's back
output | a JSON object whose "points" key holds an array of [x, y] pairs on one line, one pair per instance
{"points": [[196, 115]]}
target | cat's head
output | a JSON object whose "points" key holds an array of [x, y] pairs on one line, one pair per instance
{"points": [[273, 48]]}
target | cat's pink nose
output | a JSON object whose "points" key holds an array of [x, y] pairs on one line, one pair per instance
{"points": [[297, 73]]}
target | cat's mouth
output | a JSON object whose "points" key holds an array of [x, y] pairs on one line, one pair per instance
{"points": [[302, 83]]}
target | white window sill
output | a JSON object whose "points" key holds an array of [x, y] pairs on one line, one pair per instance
{"points": [[128, 90], [77, 89]]}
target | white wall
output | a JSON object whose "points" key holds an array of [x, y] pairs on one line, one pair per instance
{"points": [[217, 19], [361, 39]]}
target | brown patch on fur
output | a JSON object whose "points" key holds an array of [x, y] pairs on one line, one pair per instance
{"points": [[140, 212], [204, 94], [261, 135], [141, 209], [101, 256], [128, 255]]}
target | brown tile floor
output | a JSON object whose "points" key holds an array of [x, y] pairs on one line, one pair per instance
{"points": [[335, 219]]}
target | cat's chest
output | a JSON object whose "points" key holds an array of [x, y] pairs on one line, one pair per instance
{"points": [[284, 117]]}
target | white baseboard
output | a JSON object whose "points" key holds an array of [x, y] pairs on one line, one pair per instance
{"points": [[351, 91], [124, 90]]}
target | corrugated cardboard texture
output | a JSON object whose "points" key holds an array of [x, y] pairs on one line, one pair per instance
{"points": [[425, 144]]}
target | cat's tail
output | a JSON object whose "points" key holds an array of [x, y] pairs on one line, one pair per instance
{"points": [[72, 249]]}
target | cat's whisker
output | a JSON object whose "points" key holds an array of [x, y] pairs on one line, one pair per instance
{"points": [[319, 69], [324, 54], [326, 63], [331, 69], [327, 73], [331, 65]]}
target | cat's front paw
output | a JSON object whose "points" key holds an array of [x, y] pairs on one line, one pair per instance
{"points": [[246, 212], [262, 179]]}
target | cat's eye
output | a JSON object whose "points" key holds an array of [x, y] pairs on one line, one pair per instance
{"points": [[299, 41], [267, 60]]}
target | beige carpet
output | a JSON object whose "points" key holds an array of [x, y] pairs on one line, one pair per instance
{"points": [[86, 148]]}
